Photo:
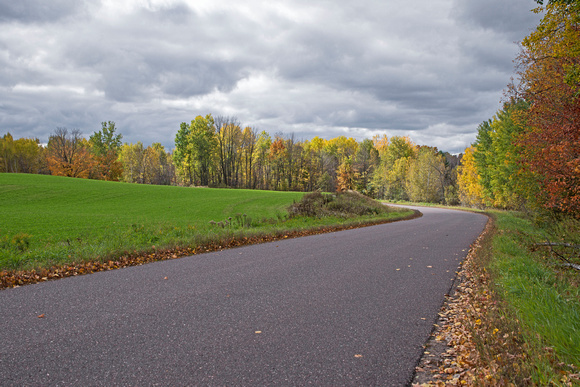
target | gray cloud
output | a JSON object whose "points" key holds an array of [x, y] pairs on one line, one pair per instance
{"points": [[504, 17], [431, 69], [30, 11]]}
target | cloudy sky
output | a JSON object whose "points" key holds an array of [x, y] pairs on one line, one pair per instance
{"points": [[429, 69]]}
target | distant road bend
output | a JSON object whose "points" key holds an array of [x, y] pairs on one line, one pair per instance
{"points": [[347, 308]]}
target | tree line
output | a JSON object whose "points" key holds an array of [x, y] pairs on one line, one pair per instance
{"points": [[103, 156], [217, 152]]}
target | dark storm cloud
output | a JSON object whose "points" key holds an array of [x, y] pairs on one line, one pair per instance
{"points": [[432, 69]]}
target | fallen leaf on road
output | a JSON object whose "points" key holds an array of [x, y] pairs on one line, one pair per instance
{"points": [[41, 315], [358, 356]]}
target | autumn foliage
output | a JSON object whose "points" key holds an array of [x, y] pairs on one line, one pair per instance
{"points": [[67, 154], [529, 154], [471, 191], [550, 82], [24, 155]]}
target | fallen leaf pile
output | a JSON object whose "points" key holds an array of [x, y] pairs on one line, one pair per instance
{"points": [[15, 278], [472, 343], [451, 356]]}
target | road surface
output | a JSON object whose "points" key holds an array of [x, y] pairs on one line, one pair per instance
{"points": [[345, 308]]}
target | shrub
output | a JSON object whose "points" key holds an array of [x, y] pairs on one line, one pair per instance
{"points": [[343, 204]]}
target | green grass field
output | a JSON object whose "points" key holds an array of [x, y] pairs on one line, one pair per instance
{"points": [[56, 208], [49, 220], [61, 216]]}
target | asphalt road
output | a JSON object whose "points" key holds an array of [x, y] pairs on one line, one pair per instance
{"points": [[346, 308]]}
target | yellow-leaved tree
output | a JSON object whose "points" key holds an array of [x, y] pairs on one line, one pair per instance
{"points": [[468, 180]]}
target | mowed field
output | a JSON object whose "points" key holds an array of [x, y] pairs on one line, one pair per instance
{"points": [[51, 218]]}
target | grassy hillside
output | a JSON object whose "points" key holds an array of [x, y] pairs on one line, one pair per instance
{"points": [[62, 215], [51, 207], [48, 221]]}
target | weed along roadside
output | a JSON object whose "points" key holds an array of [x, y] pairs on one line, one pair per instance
{"points": [[71, 245]]}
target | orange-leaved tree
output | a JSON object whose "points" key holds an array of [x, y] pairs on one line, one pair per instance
{"points": [[68, 155]]}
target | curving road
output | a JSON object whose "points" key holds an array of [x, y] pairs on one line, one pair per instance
{"points": [[346, 308]]}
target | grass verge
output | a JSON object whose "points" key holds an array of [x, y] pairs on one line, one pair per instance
{"points": [[514, 318], [52, 227]]}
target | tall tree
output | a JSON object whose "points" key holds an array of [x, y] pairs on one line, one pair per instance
{"points": [[7, 152], [319, 176], [105, 146], [182, 154], [106, 140], [131, 156], [426, 176], [24, 155], [229, 137], [365, 161], [157, 165], [346, 176], [291, 158], [68, 155], [484, 159], [195, 150], [549, 71], [470, 189], [262, 160], [203, 145], [389, 179], [249, 143], [279, 162]]}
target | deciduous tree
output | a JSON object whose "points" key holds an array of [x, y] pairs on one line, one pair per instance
{"points": [[105, 146], [346, 176], [549, 71], [390, 176], [24, 155], [131, 156], [470, 189], [68, 155], [229, 136], [426, 176], [365, 161], [249, 144], [263, 146]]}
